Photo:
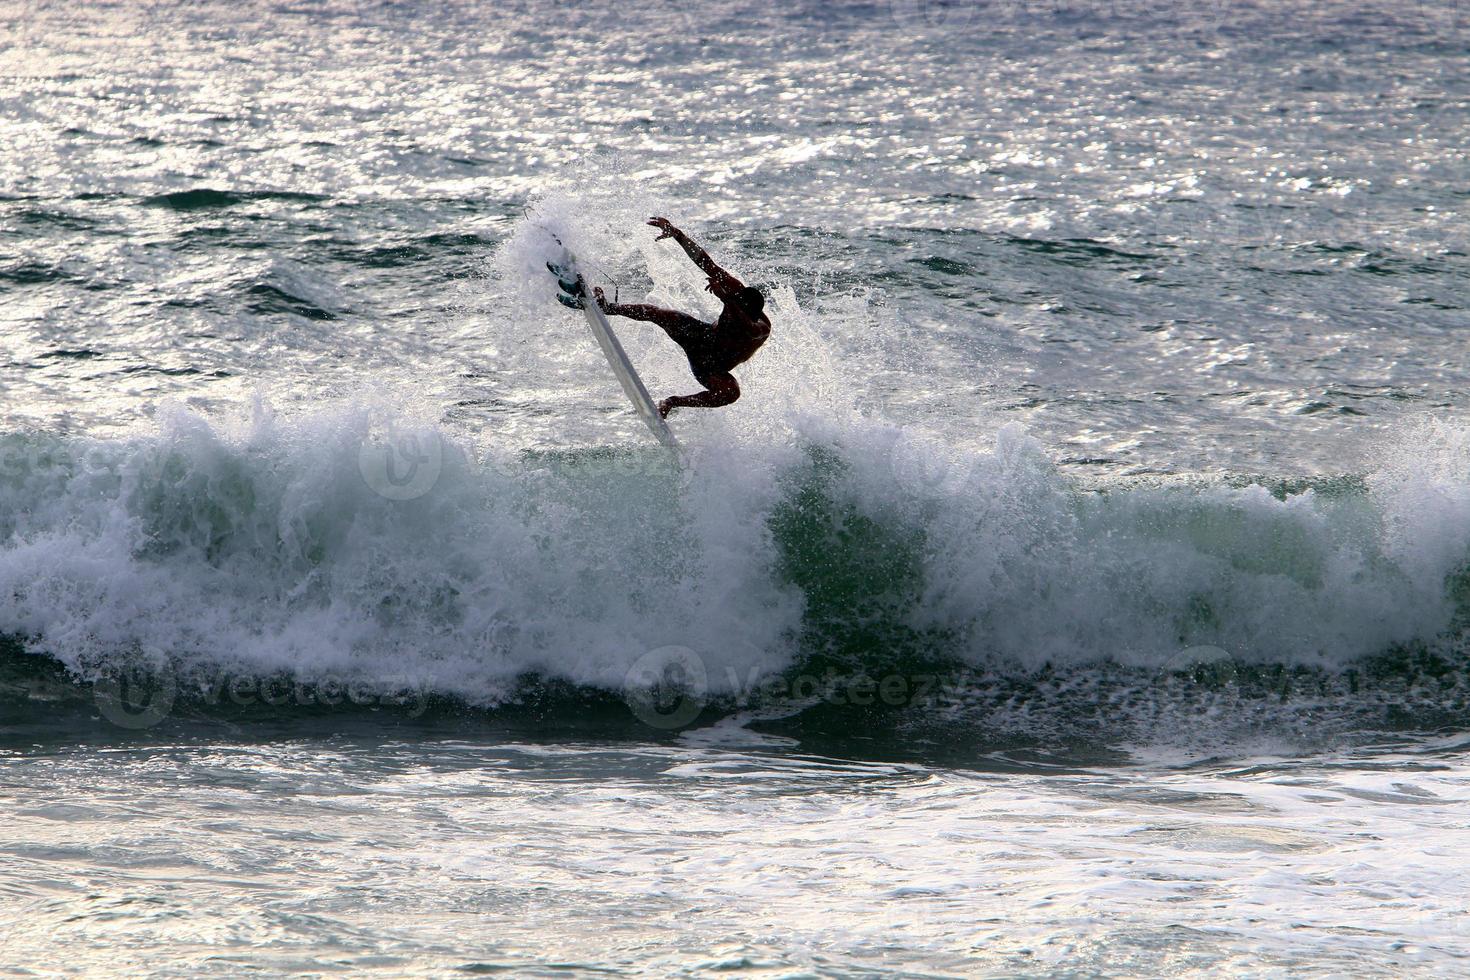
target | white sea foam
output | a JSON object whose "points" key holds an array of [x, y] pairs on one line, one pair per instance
{"points": [[317, 545]]}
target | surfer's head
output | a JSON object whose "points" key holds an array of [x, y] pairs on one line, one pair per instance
{"points": [[750, 300]]}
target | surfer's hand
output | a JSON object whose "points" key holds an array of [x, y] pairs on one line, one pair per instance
{"points": [[665, 407], [664, 225], [601, 299]]}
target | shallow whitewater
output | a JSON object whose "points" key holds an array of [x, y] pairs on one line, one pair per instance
{"points": [[429, 854]]}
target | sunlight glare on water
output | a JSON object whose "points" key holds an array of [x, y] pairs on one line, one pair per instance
{"points": [[1078, 587]]}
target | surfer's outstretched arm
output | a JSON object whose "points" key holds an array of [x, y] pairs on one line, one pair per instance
{"points": [[721, 283], [722, 390]]}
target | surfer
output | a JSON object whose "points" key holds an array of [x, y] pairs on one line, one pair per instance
{"points": [[712, 348]]}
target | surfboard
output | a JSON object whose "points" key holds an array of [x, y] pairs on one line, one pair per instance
{"points": [[575, 294]]}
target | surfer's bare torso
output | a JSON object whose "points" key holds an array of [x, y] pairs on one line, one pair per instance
{"points": [[715, 348]]}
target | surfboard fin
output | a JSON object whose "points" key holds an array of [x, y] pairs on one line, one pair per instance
{"points": [[564, 278], [571, 302]]}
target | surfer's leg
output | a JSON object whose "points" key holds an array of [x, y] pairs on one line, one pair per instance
{"points": [[682, 328], [720, 390]]}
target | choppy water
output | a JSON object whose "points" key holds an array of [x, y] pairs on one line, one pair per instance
{"points": [[1079, 587], [479, 856]]}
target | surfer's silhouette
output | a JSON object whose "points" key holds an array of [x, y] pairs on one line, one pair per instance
{"points": [[713, 348]]}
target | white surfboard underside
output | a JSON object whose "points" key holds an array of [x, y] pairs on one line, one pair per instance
{"points": [[617, 359]]}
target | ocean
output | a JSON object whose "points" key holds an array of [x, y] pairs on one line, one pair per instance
{"points": [[1080, 587]]}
